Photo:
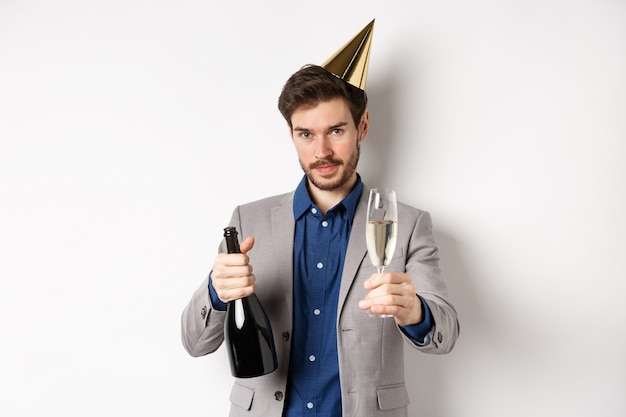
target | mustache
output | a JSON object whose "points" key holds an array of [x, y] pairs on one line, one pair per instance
{"points": [[325, 162]]}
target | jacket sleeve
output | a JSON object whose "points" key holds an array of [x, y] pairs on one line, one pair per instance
{"points": [[423, 267], [202, 327]]}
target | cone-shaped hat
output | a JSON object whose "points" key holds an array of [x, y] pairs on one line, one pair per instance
{"points": [[350, 62]]}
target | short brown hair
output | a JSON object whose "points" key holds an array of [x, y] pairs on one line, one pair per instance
{"points": [[312, 85]]}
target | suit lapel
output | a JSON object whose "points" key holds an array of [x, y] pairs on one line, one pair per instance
{"points": [[357, 248], [283, 228]]}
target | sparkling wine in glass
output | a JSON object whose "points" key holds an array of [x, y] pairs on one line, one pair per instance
{"points": [[381, 230]]}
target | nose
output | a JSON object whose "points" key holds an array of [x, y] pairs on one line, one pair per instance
{"points": [[322, 149]]}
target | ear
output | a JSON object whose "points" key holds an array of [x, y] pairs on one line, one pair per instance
{"points": [[364, 125]]}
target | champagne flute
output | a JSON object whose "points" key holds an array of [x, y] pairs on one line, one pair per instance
{"points": [[381, 230]]}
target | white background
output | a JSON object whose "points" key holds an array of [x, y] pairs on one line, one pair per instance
{"points": [[130, 129]]}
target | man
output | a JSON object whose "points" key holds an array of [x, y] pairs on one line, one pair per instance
{"points": [[313, 277]]}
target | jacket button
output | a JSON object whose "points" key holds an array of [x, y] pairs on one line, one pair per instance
{"points": [[439, 337], [286, 336], [203, 312], [278, 395]]}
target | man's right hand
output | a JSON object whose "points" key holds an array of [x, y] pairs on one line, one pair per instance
{"points": [[232, 276]]}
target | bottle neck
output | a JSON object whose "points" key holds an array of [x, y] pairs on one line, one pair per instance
{"points": [[232, 243]]}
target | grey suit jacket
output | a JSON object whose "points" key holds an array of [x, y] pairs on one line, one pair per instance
{"points": [[371, 359]]}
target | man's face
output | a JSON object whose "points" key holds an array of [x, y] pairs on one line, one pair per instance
{"points": [[328, 143]]}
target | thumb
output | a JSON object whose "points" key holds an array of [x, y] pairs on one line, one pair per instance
{"points": [[247, 244]]}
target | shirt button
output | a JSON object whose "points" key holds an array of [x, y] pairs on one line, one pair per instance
{"points": [[317, 311], [309, 405], [324, 223], [314, 210], [312, 358], [320, 265]]}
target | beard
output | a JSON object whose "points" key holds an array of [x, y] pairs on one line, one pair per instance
{"points": [[328, 183]]}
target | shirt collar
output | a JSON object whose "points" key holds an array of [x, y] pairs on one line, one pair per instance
{"points": [[302, 200]]}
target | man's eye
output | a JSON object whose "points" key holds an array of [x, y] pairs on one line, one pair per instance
{"points": [[336, 131], [305, 135]]}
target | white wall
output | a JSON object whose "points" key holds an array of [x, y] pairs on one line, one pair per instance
{"points": [[504, 119]]}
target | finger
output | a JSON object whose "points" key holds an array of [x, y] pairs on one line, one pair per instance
{"points": [[376, 280], [382, 299], [401, 295], [230, 272], [227, 260], [247, 244], [230, 294], [384, 304], [234, 283], [235, 287], [383, 309], [377, 309], [364, 304]]}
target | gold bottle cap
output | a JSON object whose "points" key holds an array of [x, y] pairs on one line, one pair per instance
{"points": [[350, 62]]}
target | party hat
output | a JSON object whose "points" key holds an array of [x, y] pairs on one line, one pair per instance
{"points": [[350, 62]]}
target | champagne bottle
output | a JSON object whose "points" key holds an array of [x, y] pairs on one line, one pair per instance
{"points": [[247, 330]]}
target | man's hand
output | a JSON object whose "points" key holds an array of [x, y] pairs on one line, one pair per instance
{"points": [[232, 276], [393, 293]]}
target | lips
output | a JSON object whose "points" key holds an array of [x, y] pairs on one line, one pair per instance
{"points": [[326, 169]]}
